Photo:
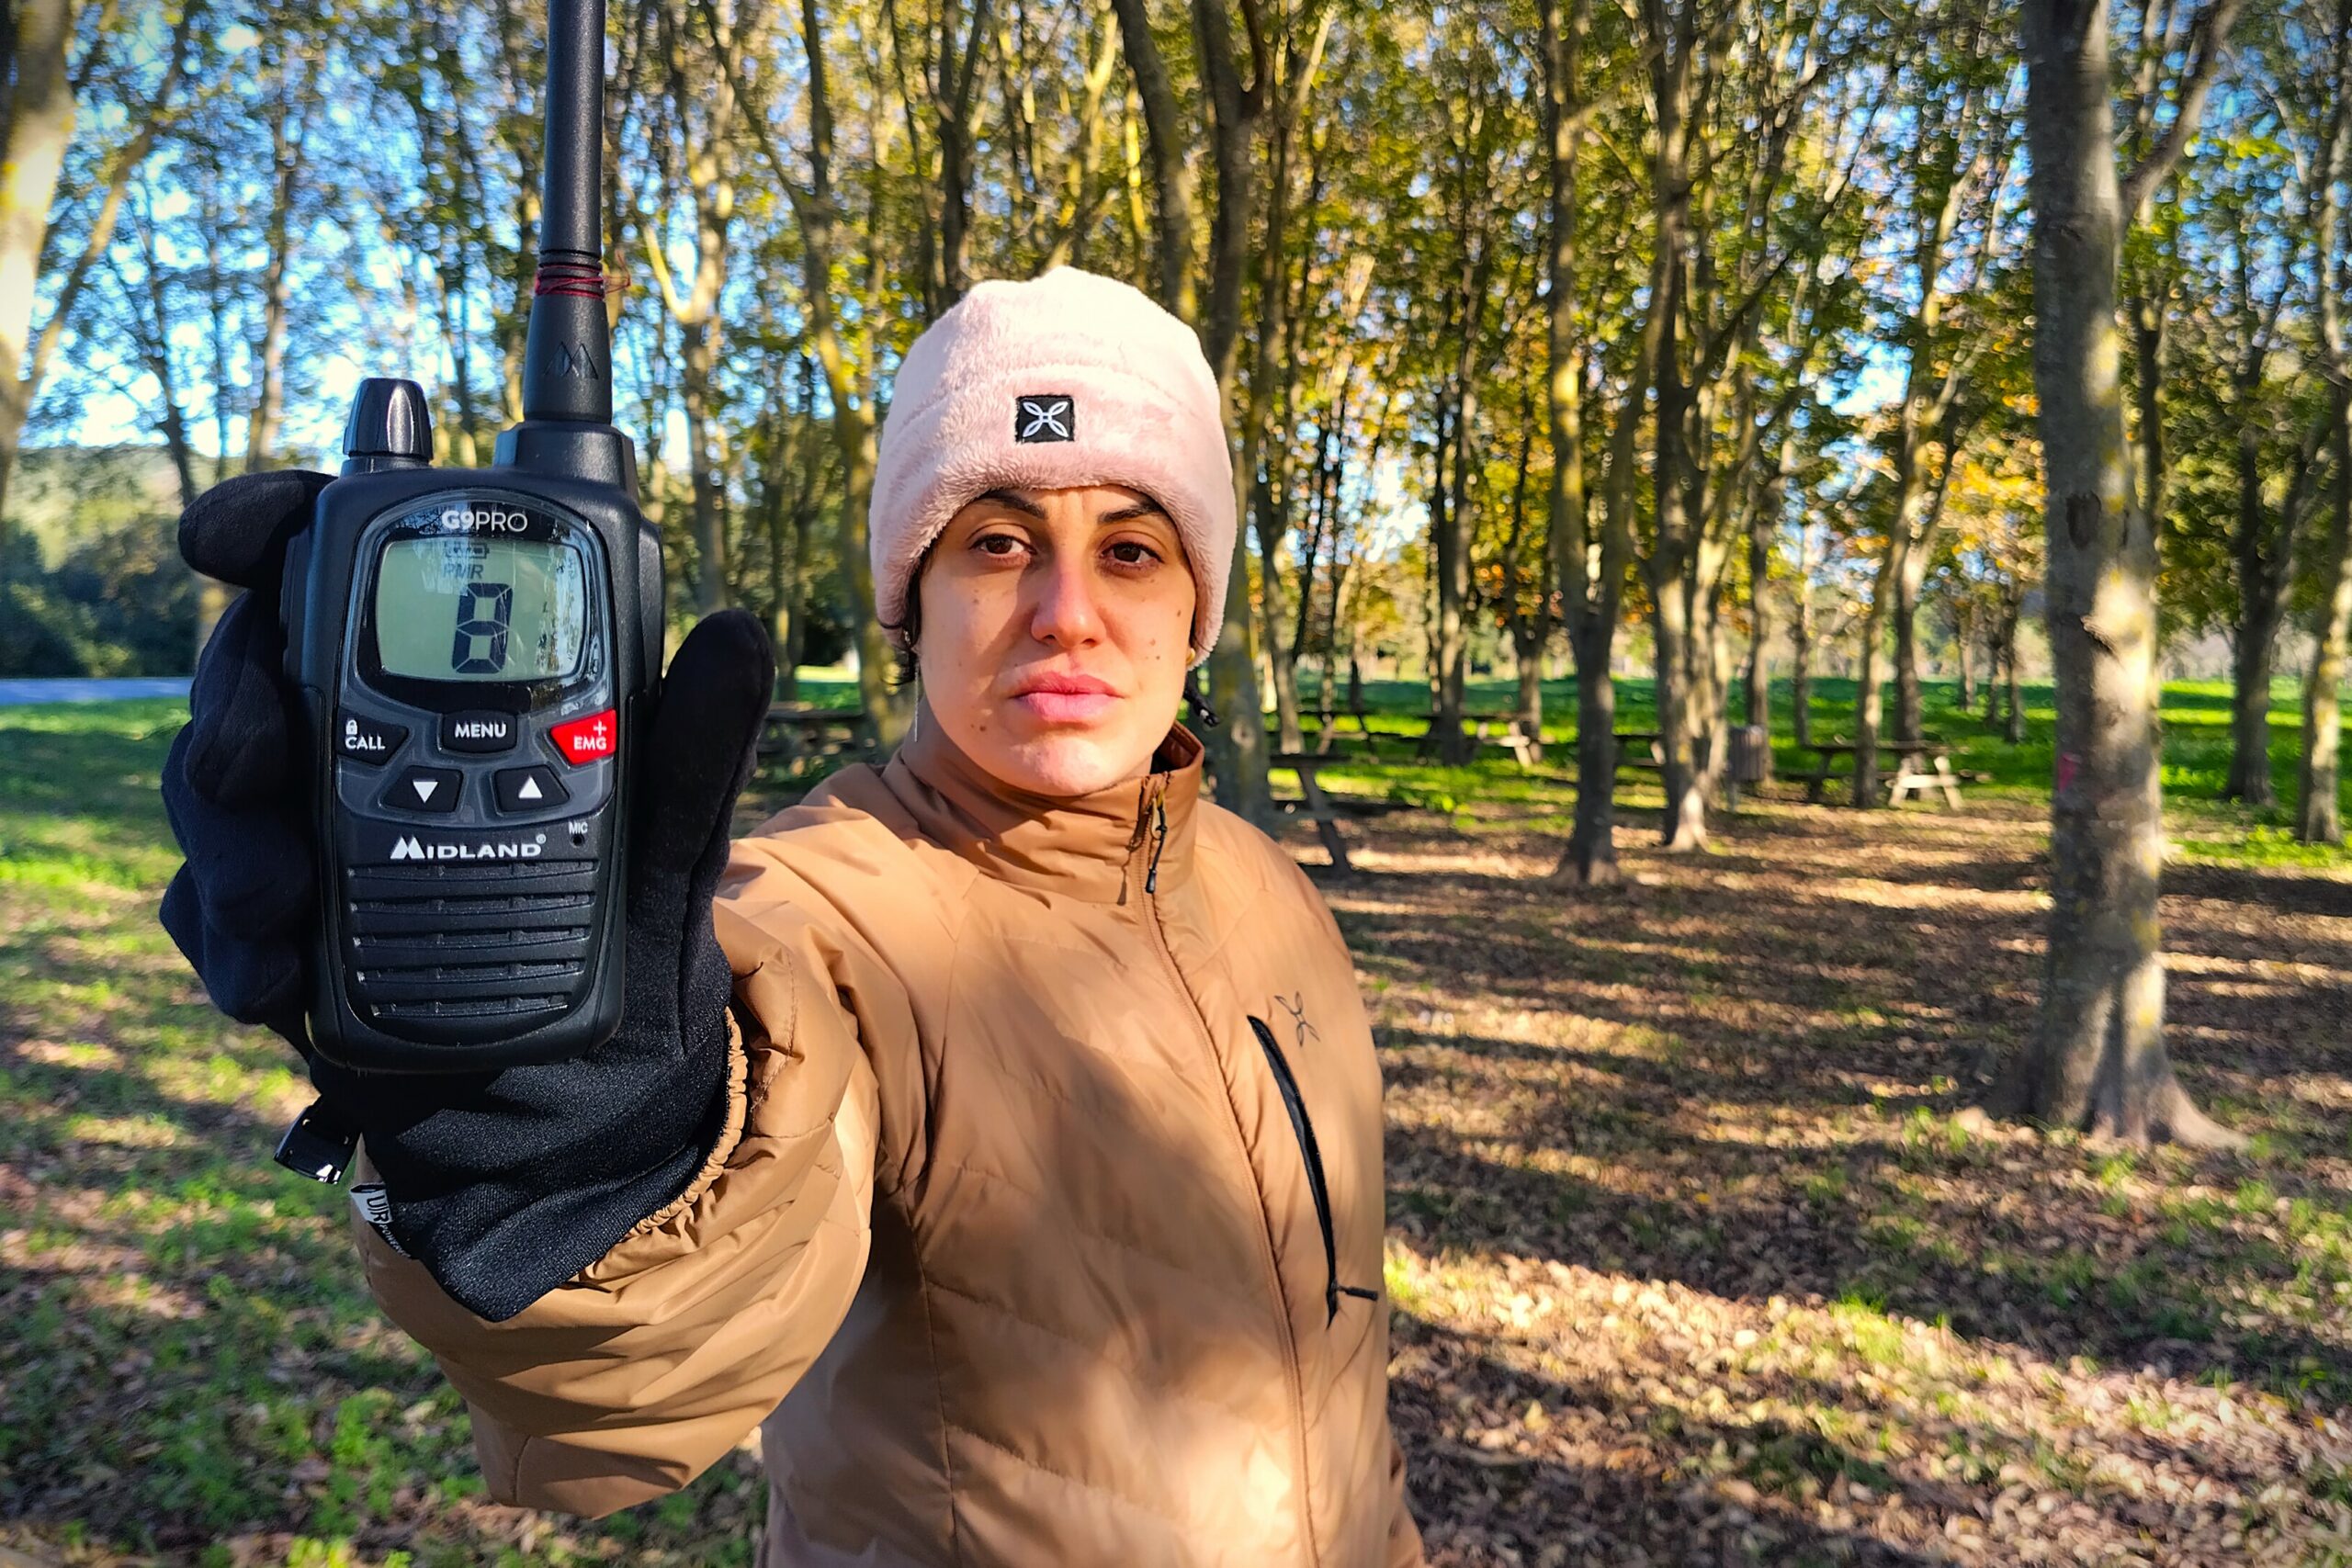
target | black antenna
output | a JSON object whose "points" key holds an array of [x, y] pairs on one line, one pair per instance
{"points": [[566, 356]]}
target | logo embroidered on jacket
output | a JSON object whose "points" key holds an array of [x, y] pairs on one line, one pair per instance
{"points": [[1296, 1007], [1045, 416]]}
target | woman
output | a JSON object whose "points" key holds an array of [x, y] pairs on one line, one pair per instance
{"points": [[1037, 1216]]}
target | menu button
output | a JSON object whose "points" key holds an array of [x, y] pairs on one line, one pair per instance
{"points": [[478, 731]]}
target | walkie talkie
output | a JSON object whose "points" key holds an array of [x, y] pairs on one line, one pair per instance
{"points": [[476, 651]]}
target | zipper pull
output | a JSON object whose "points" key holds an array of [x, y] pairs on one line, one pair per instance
{"points": [[1200, 703], [1159, 842], [1145, 799]]}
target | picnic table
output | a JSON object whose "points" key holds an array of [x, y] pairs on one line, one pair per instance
{"points": [[793, 730], [1512, 734], [1921, 765], [1318, 804], [1650, 743], [1328, 729]]}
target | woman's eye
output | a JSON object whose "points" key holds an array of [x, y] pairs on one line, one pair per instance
{"points": [[1132, 552], [1000, 545]]}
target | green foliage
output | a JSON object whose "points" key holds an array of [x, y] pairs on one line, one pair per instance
{"points": [[92, 583]]}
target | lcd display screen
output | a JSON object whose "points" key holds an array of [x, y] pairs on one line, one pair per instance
{"points": [[480, 610]]}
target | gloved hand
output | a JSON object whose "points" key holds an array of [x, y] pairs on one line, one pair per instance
{"points": [[502, 1184]]}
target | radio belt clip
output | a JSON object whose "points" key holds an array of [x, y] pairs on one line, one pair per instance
{"points": [[318, 1144]]}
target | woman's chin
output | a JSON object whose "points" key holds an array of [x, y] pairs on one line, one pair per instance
{"points": [[1066, 765], [1067, 761]]}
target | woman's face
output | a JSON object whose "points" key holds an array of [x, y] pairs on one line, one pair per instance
{"points": [[1055, 628]]}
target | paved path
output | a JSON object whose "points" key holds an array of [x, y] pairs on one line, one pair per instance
{"points": [[14, 693]]}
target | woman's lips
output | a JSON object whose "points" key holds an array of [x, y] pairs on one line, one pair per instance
{"points": [[1067, 707]]}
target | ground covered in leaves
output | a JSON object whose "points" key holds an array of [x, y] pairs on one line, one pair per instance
{"points": [[1696, 1255]]}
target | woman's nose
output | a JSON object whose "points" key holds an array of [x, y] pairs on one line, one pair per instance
{"points": [[1064, 610]]}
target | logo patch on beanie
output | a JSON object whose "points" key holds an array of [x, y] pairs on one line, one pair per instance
{"points": [[1045, 416]]}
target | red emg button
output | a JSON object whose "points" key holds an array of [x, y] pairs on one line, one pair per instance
{"points": [[589, 740]]}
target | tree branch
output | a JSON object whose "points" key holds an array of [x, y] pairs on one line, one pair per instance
{"points": [[2211, 30]]}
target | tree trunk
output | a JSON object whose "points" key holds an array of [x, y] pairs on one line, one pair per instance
{"points": [[2317, 815], [1869, 701], [1266, 436], [1800, 673], [1963, 642], [701, 357], [1171, 168], [32, 154], [39, 123], [1993, 651], [955, 94], [1450, 505], [1450, 581], [1236, 747], [289, 139], [2250, 667], [2149, 346], [2014, 722], [1909, 713], [888, 711], [1761, 522], [2098, 1059]]}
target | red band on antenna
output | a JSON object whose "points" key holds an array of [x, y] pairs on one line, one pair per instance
{"points": [[570, 280]]}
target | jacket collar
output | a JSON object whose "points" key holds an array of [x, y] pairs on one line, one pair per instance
{"points": [[1097, 847]]}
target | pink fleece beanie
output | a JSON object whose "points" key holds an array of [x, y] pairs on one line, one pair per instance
{"points": [[1068, 379]]}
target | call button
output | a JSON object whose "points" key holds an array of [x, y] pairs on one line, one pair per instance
{"points": [[368, 741]]}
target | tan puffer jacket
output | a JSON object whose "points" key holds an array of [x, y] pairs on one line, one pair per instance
{"points": [[1046, 1225]]}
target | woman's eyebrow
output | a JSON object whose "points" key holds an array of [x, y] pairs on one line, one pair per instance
{"points": [[1015, 500], [1129, 514]]}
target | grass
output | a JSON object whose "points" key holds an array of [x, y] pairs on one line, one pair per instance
{"points": [[1689, 1252], [2195, 720], [194, 1370]]}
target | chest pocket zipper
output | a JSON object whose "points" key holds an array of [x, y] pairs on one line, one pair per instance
{"points": [[1305, 1129]]}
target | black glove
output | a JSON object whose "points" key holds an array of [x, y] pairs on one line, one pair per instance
{"points": [[502, 1184]]}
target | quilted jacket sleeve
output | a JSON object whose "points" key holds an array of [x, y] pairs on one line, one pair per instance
{"points": [[633, 1376]]}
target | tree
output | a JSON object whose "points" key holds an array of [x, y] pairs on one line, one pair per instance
{"points": [[1237, 749], [2279, 246], [1954, 168], [34, 134], [2317, 815], [697, 153], [2097, 1059]]}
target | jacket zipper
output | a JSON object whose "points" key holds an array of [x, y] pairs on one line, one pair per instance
{"points": [[1316, 1181], [1290, 1369], [1159, 842]]}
